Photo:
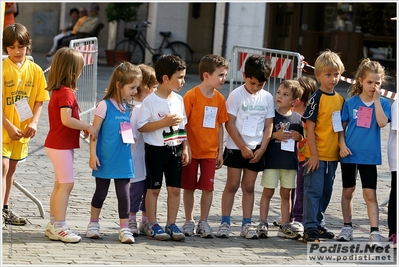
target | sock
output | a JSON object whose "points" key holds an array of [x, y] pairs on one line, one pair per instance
{"points": [[5, 207], [94, 220], [52, 220], [124, 225], [246, 221], [58, 224], [372, 229], [226, 219], [144, 219], [132, 217], [348, 224]]}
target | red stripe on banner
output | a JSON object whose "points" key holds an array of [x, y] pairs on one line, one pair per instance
{"points": [[241, 59]]}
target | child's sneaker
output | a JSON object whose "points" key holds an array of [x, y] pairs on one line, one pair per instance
{"points": [[204, 230], [262, 230], [287, 231], [93, 230], [310, 235], [49, 227], [126, 236], [188, 228], [375, 239], [323, 232], [297, 226], [156, 232], [175, 232], [13, 218], [143, 228], [346, 234], [64, 234], [248, 231], [277, 222], [392, 238], [224, 230], [133, 228]]}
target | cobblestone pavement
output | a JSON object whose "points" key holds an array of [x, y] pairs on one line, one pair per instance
{"points": [[27, 245]]}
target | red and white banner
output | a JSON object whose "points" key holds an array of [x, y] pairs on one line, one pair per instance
{"points": [[87, 52], [281, 67]]}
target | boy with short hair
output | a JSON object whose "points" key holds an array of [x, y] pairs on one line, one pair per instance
{"points": [[250, 120], [162, 121], [281, 160], [206, 112], [323, 119]]}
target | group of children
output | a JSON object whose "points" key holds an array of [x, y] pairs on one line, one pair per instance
{"points": [[143, 131]]}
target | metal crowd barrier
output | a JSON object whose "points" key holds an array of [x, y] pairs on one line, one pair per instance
{"points": [[285, 65], [18, 185]]}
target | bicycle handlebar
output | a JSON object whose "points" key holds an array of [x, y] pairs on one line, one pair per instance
{"points": [[142, 24]]}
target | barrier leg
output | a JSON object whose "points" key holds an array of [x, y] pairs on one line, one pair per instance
{"points": [[31, 196]]}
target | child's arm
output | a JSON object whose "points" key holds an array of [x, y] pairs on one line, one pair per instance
{"points": [[235, 135], [12, 130], [69, 121], [31, 129], [219, 156], [343, 149], [382, 119], [313, 162], [168, 120], [185, 155], [267, 134], [93, 161]]}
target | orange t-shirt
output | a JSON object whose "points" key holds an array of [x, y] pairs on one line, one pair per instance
{"points": [[203, 141], [79, 23], [8, 18]]}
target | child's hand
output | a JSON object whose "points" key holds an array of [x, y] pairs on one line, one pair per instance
{"points": [[30, 130], [14, 133], [296, 136], [257, 155], [94, 162], [219, 161], [185, 157], [93, 132], [247, 153], [281, 135], [172, 120], [344, 150], [313, 164]]}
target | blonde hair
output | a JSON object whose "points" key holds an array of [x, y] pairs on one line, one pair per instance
{"points": [[65, 68], [123, 74], [366, 66], [148, 77], [328, 61]]}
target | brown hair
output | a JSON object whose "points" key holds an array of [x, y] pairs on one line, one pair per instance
{"points": [[16, 32], [65, 68], [209, 63], [308, 85], [366, 66], [148, 77], [294, 87], [123, 74]]}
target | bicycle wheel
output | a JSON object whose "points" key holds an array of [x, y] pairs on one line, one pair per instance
{"points": [[183, 51], [135, 51]]}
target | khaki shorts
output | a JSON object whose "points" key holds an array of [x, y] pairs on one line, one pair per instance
{"points": [[15, 150], [270, 178]]}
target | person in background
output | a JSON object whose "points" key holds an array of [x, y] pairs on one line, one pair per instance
{"points": [[9, 11], [74, 14], [24, 85]]}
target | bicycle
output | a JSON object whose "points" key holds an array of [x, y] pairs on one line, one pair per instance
{"points": [[136, 43]]}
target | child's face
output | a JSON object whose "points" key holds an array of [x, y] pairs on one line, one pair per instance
{"points": [[252, 85], [17, 52], [284, 97], [217, 78], [130, 89], [328, 79], [177, 80], [370, 84]]}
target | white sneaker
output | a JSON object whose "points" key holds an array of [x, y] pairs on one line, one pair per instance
{"points": [[224, 230], [297, 226], [287, 231], [204, 230], [346, 234], [375, 239], [277, 222], [93, 230], [126, 236], [248, 231], [133, 228], [188, 228], [262, 230], [64, 234], [48, 229]]}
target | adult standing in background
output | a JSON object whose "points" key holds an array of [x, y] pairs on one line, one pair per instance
{"points": [[10, 9]]}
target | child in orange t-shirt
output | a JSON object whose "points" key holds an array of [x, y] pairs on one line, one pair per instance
{"points": [[206, 112]]}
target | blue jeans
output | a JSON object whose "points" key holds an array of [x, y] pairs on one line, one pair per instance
{"points": [[318, 186]]}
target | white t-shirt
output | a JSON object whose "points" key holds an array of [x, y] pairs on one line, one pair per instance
{"points": [[155, 108], [251, 111], [138, 155], [392, 147]]}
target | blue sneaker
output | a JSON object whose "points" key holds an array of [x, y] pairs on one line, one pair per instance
{"points": [[156, 232], [175, 232]]}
